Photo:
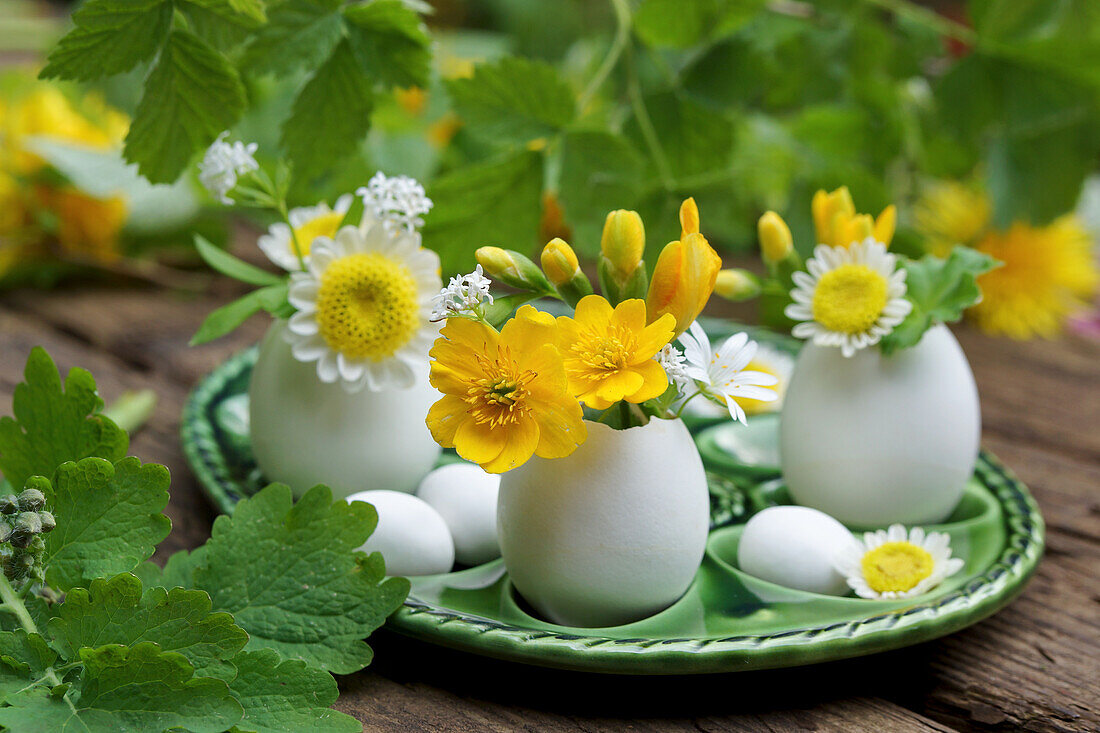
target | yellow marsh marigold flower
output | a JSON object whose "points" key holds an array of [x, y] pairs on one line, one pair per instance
{"points": [[559, 262], [87, 226], [505, 395], [683, 280], [46, 112], [609, 352], [1048, 272], [837, 223]]}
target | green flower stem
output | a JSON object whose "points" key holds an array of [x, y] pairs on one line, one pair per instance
{"points": [[685, 403], [132, 410], [618, 45], [645, 124], [13, 603]]}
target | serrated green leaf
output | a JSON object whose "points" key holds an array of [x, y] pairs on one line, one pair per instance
{"points": [[514, 99], [331, 114], [390, 42], [286, 696], [24, 658], [223, 23], [600, 172], [191, 96], [127, 688], [117, 611], [940, 290], [52, 425], [108, 519], [233, 267], [300, 35], [494, 202], [109, 37], [694, 138], [227, 318], [177, 572], [289, 575]]}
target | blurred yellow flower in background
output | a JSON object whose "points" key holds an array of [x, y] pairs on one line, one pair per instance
{"points": [[837, 224], [1049, 271]]}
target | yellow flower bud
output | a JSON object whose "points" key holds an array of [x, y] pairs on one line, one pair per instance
{"points": [[837, 223], [496, 261], [689, 218], [737, 285], [886, 224], [512, 268], [559, 261], [623, 242], [775, 237], [856, 229], [683, 280], [827, 209]]}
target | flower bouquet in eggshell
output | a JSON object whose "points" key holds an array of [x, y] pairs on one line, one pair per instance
{"points": [[340, 384], [603, 508]]}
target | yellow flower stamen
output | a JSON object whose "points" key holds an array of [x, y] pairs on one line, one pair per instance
{"points": [[896, 566], [367, 306], [499, 398], [598, 355], [850, 298], [324, 225]]}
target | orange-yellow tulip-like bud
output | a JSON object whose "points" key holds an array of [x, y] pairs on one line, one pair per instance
{"points": [[775, 237], [559, 261], [683, 280], [623, 242], [689, 218]]}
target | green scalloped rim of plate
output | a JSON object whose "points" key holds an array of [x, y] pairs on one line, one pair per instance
{"points": [[727, 621]]}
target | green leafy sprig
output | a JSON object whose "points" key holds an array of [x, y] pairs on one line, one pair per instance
{"points": [[243, 633]]}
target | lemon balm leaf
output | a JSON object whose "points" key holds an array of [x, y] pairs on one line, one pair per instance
{"points": [[514, 99], [109, 37], [286, 696], [108, 519], [289, 574], [55, 423]]}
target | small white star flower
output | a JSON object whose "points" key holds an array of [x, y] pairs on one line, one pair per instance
{"points": [[893, 563], [672, 360], [223, 163], [398, 201], [463, 295], [721, 374]]}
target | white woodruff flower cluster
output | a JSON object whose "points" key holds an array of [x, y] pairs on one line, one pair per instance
{"points": [[463, 295], [674, 363], [398, 201], [223, 163]]}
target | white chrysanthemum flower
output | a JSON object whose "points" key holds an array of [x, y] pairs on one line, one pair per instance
{"points": [[307, 223], [721, 373], [768, 360], [674, 363], [849, 297], [364, 305], [892, 563], [399, 201], [463, 295], [223, 163]]}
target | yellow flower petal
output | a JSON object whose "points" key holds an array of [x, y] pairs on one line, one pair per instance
{"points": [[654, 382], [444, 417], [522, 440], [689, 218]]}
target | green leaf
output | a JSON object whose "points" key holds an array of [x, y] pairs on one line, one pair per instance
{"points": [[940, 290], [289, 575], [494, 202], [24, 658], [300, 35], [108, 519], [191, 96], [331, 114], [514, 99], [108, 38], [695, 139], [223, 23], [390, 42], [127, 688], [600, 172], [116, 611], [227, 318], [237, 269], [53, 425], [178, 572], [286, 696]]}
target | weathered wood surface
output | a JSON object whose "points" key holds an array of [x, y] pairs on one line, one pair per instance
{"points": [[1034, 666]]}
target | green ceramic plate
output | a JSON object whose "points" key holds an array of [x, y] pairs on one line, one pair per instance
{"points": [[726, 621]]}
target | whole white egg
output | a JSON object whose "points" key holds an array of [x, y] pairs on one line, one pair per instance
{"points": [[794, 546], [466, 497], [411, 536]]}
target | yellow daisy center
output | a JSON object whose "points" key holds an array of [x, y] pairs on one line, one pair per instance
{"points": [[598, 354], [367, 306], [849, 299], [756, 407], [324, 225], [500, 397], [896, 566]]}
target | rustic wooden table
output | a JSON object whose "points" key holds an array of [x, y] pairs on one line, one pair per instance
{"points": [[1033, 666]]}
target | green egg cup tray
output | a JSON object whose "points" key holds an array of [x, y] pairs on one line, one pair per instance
{"points": [[727, 620]]}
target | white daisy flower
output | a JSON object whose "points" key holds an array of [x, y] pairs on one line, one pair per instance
{"points": [[399, 201], [768, 360], [306, 224], [463, 295], [672, 360], [364, 304], [223, 163], [721, 374], [892, 563], [849, 297]]}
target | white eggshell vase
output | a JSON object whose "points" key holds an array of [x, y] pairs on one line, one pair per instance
{"points": [[873, 440], [305, 432], [610, 534]]}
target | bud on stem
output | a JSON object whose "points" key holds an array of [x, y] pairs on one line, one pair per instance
{"points": [[560, 263], [514, 269]]}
